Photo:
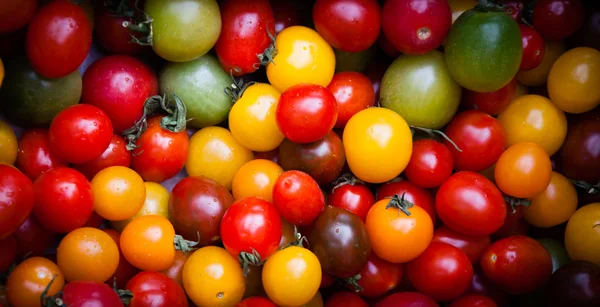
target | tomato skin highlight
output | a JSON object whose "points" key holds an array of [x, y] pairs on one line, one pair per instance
{"points": [[298, 198], [379, 277], [34, 156], [155, 289], [356, 198], [353, 92], [533, 48], [524, 170], [430, 164]]}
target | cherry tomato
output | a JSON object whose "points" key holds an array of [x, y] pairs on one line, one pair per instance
{"points": [[524, 170], [81, 252], [581, 234], [155, 289], [582, 142], [353, 92], [89, 293], [471, 246], [430, 164], [80, 133], [479, 136], [411, 193], [175, 271], [533, 48], [473, 300], [125, 271], [483, 286], [555, 205], [147, 243], [379, 277], [303, 56], [245, 35], [8, 246], [34, 156], [538, 76], [116, 154], [286, 14], [558, 19], [256, 179], [378, 144], [32, 238], [353, 197], [286, 269], [298, 198], [513, 224], [211, 277], [533, 118], [470, 204], [345, 299], [111, 34], [119, 193], [256, 301], [574, 284], [416, 27], [30, 278], [16, 199], [8, 139], [15, 15], [119, 85], [408, 299], [58, 39], [491, 103], [156, 203], [63, 199]]}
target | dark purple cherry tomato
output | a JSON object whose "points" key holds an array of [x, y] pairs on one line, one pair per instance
{"points": [[353, 197], [580, 153], [430, 165], [412, 193], [492, 103], [345, 299], [90, 293], [407, 299], [16, 199], [472, 246], [558, 19], [153, 289], [298, 198], [353, 92], [378, 277], [32, 238], [589, 34], [534, 48], [574, 284], [116, 154], [34, 156]]}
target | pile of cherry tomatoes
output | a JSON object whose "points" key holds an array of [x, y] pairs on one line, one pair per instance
{"points": [[291, 153]]}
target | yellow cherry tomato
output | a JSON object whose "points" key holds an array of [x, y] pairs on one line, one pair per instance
{"points": [[212, 278], [87, 254], [460, 6], [252, 118], [378, 144], [147, 243], [555, 205], [539, 75], [582, 235], [29, 279], [303, 56], [8, 143], [156, 203], [534, 118], [256, 178], [216, 154], [119, 193], [573, 83], [292, 276]]}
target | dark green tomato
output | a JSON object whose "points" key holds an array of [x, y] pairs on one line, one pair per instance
{"points": [[421, 90], [341, 242], [353, 61], [483, 50], [201, 85], [28, 99], [557, 252], [323, 160]]}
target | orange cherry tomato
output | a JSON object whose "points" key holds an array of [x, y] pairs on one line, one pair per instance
{"points": [[256, 178], [30, 278], [524, 170], [147, 243], [555, 205], [119, 193]]}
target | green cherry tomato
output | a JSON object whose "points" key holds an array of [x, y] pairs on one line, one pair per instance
{"points": [[557, 252]]}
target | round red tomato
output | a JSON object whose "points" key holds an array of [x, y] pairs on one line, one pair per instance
{"points": [[379, 277], [474, 300], [34, 156], [351, 26], [298, 198], [58, 39], [306, 112], [256, 301], [89, 293], [470, 204], [16, 14], [8, 246], [155, 289], [80, 133], [472, 246], [534, 48], [442, 272], [416, 26], [116, 154], [246, 32], [412, 193], [492, 103], [16, 199], [517, 264], [354, 197], [345, 299], [558, 19], [430, 164], [407, 299], [33, 239], [63, 199], [119, 85], [480, 137], [111, 34], [353, 92]]}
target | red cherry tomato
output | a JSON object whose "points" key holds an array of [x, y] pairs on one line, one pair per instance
{"points": [[353, 92], [58, 38], [63, 199], [517, 264], [306, 112], [513, 225], [125, 270], [244, 34], [356, 198], [379, 277], [351, 26], [80, 133], [8, 246], [442, 272], [416, 26], [256, 301], [32, 238], [16, 199], [298, 198], [474, 300], [16, 14], [492, 103], [470, 204], [111, 34], [90, 293], [412, 193], [472, 246], [119, 85], [34, 156], [480, 137], [251, 224], [116, 154], [345, 299], [534, 48], [407, 299], [286, 14], [514, 8], [430, 164], [151, 289], [558, 19]]}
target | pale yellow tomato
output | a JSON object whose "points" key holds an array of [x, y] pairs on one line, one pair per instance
{"points": [[256, 178], [216, 154], [539, 75], [252, 118], [303, 56], [8, 143], [119, 193], [156, 203]]}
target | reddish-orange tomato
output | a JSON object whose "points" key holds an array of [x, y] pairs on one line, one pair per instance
{"points": [[524, 170], [30, 278]]}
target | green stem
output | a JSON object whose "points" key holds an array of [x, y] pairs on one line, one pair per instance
{"points": [[299, 240], [185, 245], [269, 54], [247, 259], [588, 187], [237, 88], [515, 202], [434, 132], [353, 281], [490, 6], [345, 179], [398, 202]]}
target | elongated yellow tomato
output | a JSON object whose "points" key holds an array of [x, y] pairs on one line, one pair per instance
{"points": [[119, 193], [256, 179], [539, 75], [574, 79], [292, 276], [156, 203], [378, 144], [212, 278], [582, 235], [534, 118], [8, 143], [216, 154], [555, 205], [252, 118], [303, 56]]}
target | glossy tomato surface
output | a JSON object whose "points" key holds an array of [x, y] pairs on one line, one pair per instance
{"points": [[471, 246], [356, 198], [298, 198], [17, 199], [353, 92], [430, 165], [558, 19], [155, 289]]}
